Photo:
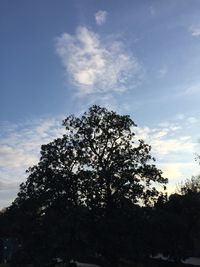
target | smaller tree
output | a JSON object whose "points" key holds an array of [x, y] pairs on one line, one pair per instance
{"points": [[191, 185]]}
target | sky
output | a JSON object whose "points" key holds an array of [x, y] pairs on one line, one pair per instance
{"points": [[59, 57]]}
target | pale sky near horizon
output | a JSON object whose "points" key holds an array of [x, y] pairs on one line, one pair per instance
{"points": [[59, 57]]}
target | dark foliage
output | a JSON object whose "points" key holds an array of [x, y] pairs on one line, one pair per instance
{"points": [[84, 195]]}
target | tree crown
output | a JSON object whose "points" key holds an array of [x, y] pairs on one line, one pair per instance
{"points": [[97, 163]]}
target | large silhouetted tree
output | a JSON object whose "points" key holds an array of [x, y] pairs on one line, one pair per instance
{"points": [[96, 168], [97, 163]]}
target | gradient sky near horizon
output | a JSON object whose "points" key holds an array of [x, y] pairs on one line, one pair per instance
{"points": [[58, 57]]}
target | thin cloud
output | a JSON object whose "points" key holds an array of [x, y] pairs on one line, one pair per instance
{"points": [[100, 17], [180, 116], [193, 89], [15, 157], [95, 65], [192, 120], [164, 147], [195, 31], [8, 186], [165, 141], [20, 146], [169, 141], [152, 11]]}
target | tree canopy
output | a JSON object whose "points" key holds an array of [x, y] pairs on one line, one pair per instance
{"points": [[97, 163], [83, 195]]}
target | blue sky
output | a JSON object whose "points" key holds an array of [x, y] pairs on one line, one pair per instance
{"points": [[59, 57]]}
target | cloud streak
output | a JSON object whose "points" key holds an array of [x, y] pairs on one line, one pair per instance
{"points": [[96, 65], [21, 145], [19, 149], [164, 141]]}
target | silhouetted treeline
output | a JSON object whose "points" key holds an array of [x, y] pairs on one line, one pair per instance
{"points": [[171, 227], [93, 197]]}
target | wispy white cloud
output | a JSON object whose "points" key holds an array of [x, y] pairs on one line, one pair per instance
{"points": [[19, 149], [171, 141], [101, 16], [15, 157], [163, 141], [173, 148], [180, 118], [195, 31], [95, 64], [164, 147]]}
